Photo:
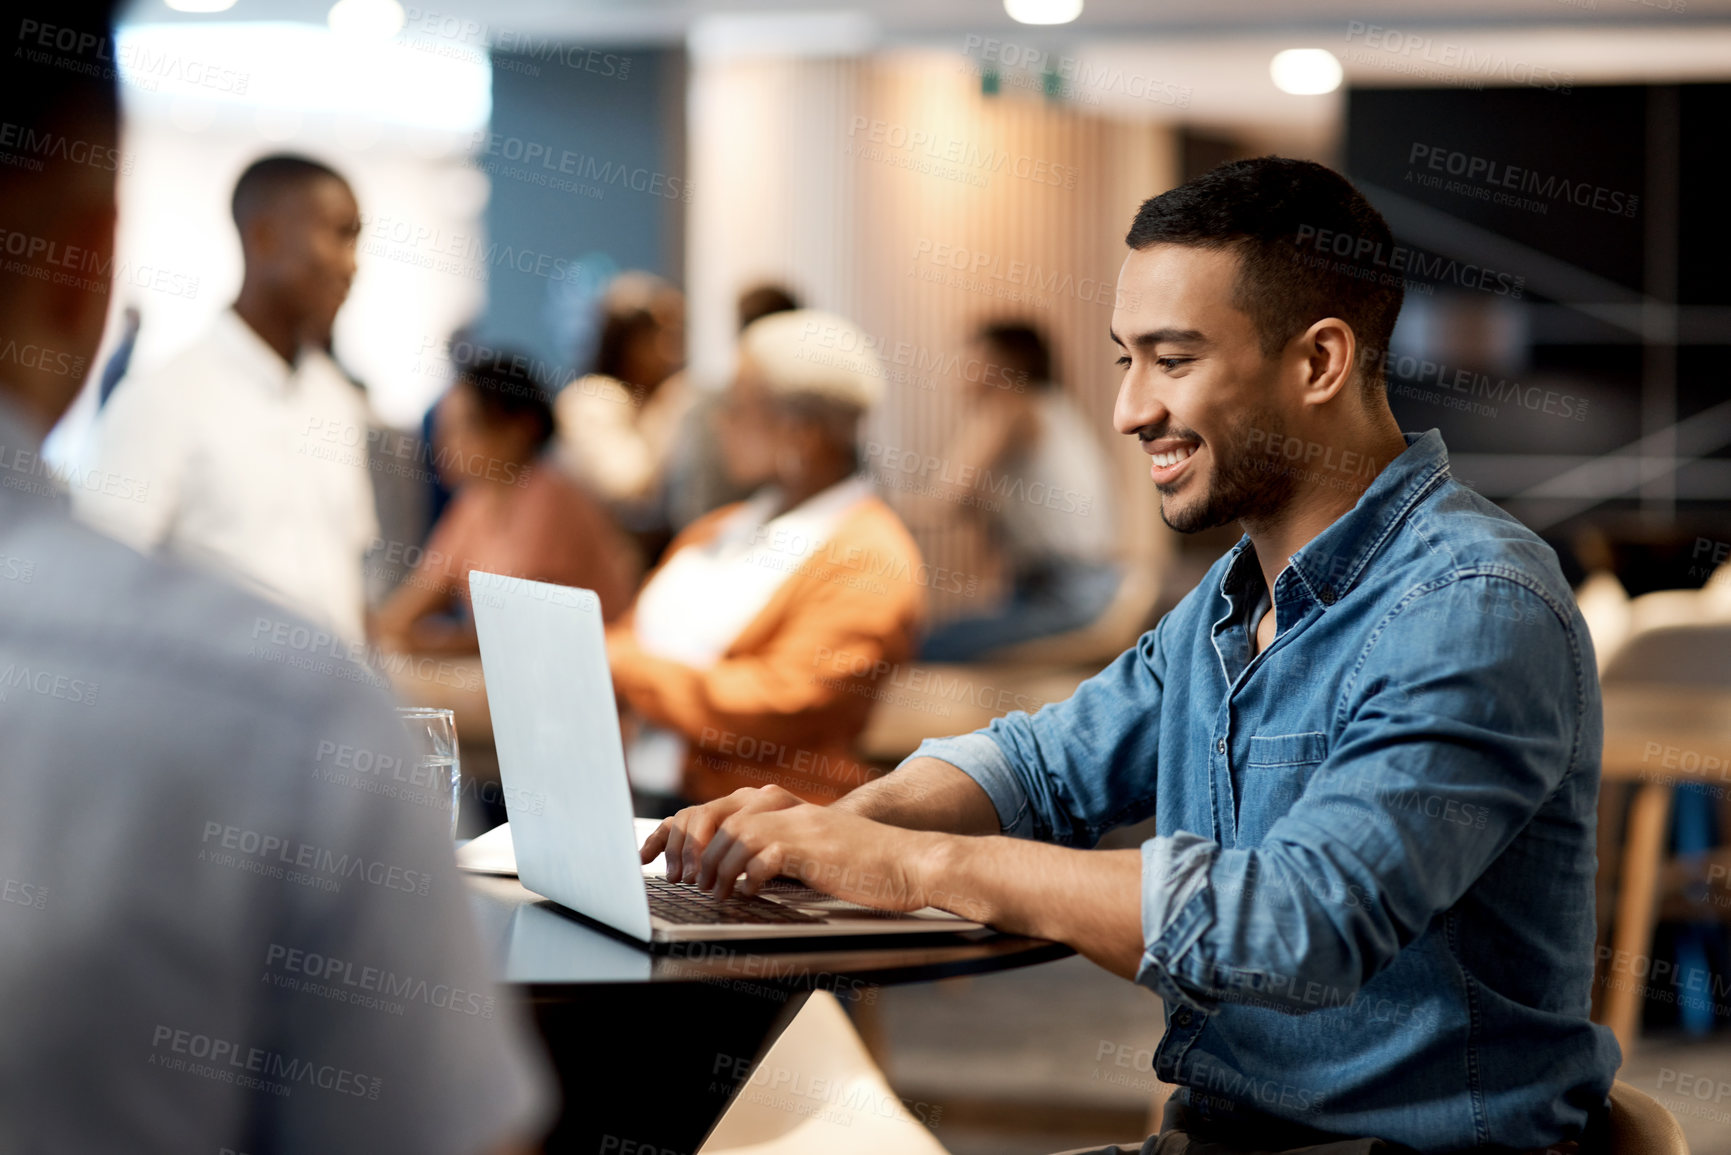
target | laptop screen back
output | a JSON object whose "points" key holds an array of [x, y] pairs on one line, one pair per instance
{"points": [[556, 730]]}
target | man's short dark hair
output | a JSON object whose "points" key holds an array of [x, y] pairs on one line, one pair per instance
{"points": [[761, 301], [268, 177], [506, 390], [1020, 348], [1272, 211]]}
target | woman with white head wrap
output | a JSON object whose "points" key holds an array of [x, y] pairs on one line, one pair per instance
{"points": [[753, 648]]}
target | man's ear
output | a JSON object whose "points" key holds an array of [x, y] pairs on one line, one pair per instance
{"points": [[261, 239], [1329, 351]]}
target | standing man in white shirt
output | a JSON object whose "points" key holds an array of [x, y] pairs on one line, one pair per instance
{"points": [[250, 444]]}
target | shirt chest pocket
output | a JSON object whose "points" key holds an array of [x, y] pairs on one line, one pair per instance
{"points": [[1277, 767]]}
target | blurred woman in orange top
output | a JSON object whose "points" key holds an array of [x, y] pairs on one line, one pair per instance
{"points": [[752, 651]]}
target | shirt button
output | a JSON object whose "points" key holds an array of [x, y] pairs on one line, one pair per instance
{"points": [[1181, 1017], [1220, 746], [1328, 596]]}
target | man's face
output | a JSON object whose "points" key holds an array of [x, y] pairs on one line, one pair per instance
{"points": [[468, 446], [1197, 390], [317, 224]]}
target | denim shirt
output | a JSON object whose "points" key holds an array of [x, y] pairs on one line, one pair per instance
{"points": [[1368, 908]]}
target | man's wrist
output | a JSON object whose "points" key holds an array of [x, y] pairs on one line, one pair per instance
{"points": [[944, 863]]}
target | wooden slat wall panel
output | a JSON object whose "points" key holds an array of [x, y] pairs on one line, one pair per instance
{"points": [[803, 172]]}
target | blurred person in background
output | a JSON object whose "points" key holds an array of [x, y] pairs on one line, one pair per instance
{"points": [[513, 513], [616, 424], [697, 476], [150, 948], [249, 447], [753, 650], [1026, 463]]}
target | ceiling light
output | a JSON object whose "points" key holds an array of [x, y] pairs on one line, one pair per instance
{"points": [[1043, 11], [834, 32], [1305, 71], [366, 19]]}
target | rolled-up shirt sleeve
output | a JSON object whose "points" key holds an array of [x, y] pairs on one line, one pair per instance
{"points": [[1442, 758], [1077, 768]]}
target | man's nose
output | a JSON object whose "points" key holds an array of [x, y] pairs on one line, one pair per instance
{"points": [[1138, 406]]}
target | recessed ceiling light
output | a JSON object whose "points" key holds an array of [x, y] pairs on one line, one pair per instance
{"points": [[366, 19], [1043, 11], [1305, 71]]}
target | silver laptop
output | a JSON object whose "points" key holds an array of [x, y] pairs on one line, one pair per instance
{"points": [[556, 730]]}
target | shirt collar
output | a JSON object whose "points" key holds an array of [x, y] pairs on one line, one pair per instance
{"points": [[1330, 564], [264, 364]]}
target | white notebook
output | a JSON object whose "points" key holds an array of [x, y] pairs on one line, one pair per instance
{"points": [[494, 853]]}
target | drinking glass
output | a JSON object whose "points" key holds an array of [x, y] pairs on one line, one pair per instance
{"points": [[433, 735]]}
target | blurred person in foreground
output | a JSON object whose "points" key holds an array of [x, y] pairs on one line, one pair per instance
{"points": [[752, 652], [1026, 463], [697, 476], [1369, 738], [191, 876], [249, 447], [616, 424], [513, 513]]}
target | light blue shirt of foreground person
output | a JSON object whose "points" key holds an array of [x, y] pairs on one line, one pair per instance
{"points": [[1369, 904], [230, 919]]}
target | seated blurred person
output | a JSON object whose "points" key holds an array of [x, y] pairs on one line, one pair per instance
{"points": [[752, 651], [1026, 461], [512, 514], [697, 477], [616, 424], [248, 449]]}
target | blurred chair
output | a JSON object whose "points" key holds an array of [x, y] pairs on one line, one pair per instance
{"points": [[930, 701], [1633, 638], [1640, 1124], [820, 1092], [1605, 605], [1670, 640]]}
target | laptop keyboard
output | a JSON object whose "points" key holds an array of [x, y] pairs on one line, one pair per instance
{"points": [[685, 903]]}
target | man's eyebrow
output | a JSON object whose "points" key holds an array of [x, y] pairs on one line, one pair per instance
{"points": [[1159, 336]]}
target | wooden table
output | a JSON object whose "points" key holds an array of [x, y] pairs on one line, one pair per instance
{"points": [[1656, 737], [651, 1046]]}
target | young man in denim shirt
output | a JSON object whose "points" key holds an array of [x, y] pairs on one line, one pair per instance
{"points": [[1370, 737]]}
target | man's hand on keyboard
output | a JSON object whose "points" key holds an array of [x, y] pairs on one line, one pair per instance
{"points": [[687, 833], [767, 831]]}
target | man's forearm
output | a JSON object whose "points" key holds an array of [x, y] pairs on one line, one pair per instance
{"points": [[925, 794], [1090, 900]]}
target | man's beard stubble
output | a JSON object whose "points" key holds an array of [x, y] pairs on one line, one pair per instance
{"points": [[1241, 489]]}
